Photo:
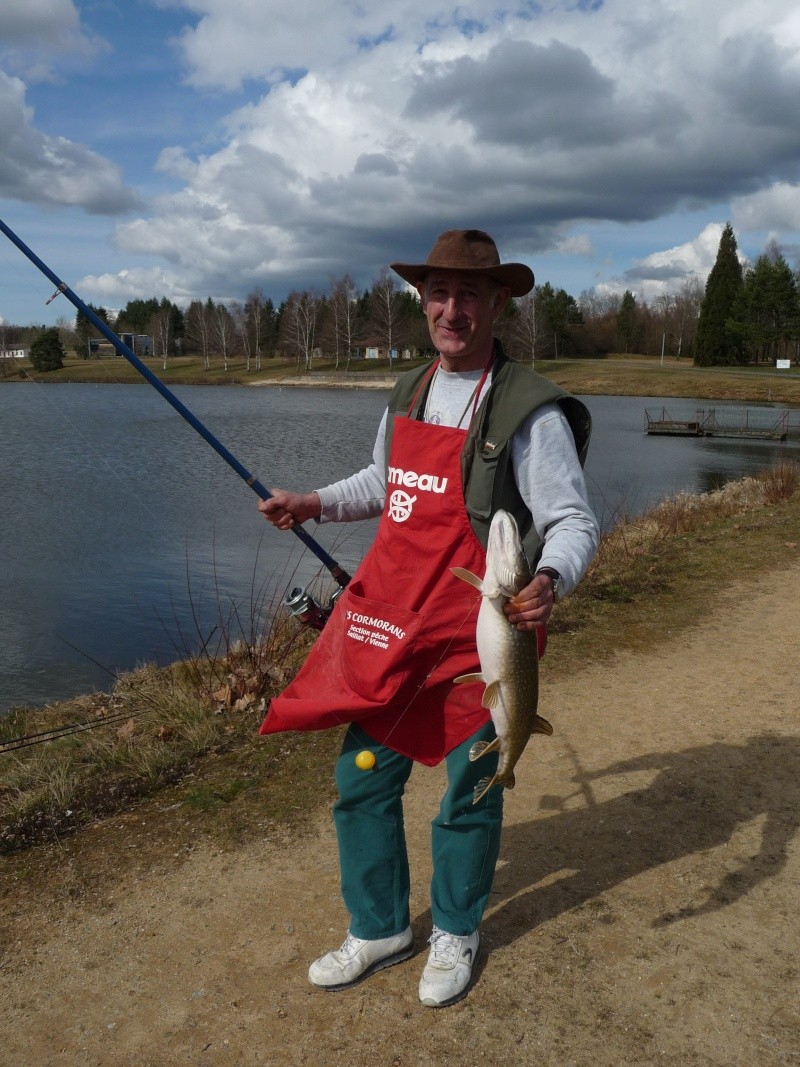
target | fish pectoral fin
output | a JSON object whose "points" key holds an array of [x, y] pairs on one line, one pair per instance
{"points": [[462, 678], [480, 748], [468, 577], [491, 695], [482, 788], [542, 726]]}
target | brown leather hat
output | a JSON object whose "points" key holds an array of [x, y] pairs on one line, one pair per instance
{"points": [[471, 250]]}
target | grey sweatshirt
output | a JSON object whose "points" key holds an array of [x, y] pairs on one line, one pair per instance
{"points": [[545, 465]]}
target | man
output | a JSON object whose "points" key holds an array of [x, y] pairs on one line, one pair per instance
{"points": [[460, 439]]}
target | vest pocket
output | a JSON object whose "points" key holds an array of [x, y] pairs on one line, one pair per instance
{"points": [[376, 646], [488, 459]]}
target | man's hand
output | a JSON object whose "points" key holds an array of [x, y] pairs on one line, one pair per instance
{"points": [[284, 509], [532, 606]]}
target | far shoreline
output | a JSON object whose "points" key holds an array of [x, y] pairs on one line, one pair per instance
{"points": [[614, 375]]}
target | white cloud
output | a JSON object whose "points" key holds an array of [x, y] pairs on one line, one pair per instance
{"points": [[52, 170], [666, 270], [412, 117], [52, 22], [115, 290], [776, 208], [34, 32], [35, 166], [579, 244], [235, 41]]}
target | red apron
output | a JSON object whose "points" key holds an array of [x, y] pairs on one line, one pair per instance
{"points": [[404, 627]]}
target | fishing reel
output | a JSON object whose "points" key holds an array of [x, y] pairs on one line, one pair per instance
{"points": [[302, 606]]}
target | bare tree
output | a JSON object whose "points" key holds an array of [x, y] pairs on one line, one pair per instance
{"points": [[223, 332], [688, 301], [160, 328], [526, 325], [256, 321], [199, 320], [386, 308], [300, 324], [241, 326], [344, 297]]}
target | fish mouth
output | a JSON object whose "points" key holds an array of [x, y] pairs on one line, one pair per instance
{"points": [[504, 549]]}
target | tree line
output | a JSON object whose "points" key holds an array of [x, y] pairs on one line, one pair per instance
{"points": [[742, 315], [749, 315]]}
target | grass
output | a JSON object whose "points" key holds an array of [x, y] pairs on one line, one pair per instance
{"points": [[658, 573], [145, 735], [614, 376], [189, 370], [641, 376], [188, 733]]}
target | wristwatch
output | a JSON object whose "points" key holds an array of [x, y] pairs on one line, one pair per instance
{"points": [[556, 579]]}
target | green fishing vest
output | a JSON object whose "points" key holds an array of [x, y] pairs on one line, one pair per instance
{"points": [[486, 471]]}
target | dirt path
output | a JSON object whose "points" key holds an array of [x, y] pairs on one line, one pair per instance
{"points": [[645, 908]]}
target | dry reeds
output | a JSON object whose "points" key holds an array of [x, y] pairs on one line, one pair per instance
{"points": [[158, 722]]}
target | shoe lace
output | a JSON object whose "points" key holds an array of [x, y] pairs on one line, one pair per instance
{"points": [[445, 948], [350, 944]]}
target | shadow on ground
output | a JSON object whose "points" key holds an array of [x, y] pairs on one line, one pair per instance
{"points": [[696, 802]]}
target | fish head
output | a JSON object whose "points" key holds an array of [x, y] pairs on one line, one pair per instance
{"points": [[507, 570]]}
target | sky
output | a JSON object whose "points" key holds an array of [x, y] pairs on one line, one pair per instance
{"points": [[195, 148]]}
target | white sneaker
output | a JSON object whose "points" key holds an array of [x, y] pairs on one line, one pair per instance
{"points": [[448, 971], [358, 959]]}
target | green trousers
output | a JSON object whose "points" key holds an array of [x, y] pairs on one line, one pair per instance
{"points": [[372, 846]]}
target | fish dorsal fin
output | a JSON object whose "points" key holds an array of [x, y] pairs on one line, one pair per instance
{"points": [[542, 726], [468, 577]]}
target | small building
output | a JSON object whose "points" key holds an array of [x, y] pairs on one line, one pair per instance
{"points": [[19, 352], [139, 343], [372, 349]]}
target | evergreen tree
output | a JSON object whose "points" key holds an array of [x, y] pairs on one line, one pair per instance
{"points": [[136, 315], [177, 325], [628, 322], [559, 314], [86, 330], [47, 352], [767, 314], [718, 341]]}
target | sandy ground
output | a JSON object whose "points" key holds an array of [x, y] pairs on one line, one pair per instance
{"points": [[354, 381], [645, 906]]}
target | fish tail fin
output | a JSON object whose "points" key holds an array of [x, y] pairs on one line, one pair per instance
{"points": [[482, 788], [542, 726], [467, 576], [480, 748]]}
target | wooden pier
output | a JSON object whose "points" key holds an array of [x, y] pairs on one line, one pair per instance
{"points": [[758, 424]]}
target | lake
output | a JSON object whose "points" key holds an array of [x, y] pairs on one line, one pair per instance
{"points": [[126, 539]]}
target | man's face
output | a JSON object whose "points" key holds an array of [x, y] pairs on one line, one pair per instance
{"points": [[461, 308]]}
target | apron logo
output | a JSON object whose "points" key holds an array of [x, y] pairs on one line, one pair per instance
{"points": [[429, 483], [400, 505]]}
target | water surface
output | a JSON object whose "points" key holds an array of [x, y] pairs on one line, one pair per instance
{"points": [[124, 538]]}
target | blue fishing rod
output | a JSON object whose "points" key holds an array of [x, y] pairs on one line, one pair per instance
{"points": [[299, 602]]}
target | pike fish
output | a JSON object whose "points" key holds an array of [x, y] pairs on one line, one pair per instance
{"points": [[509, 657]]}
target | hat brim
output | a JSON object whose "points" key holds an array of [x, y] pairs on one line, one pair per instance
{"points": [[517, 276]]}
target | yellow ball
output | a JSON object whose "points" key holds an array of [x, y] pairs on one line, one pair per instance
{"points": [[365, 760]]}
